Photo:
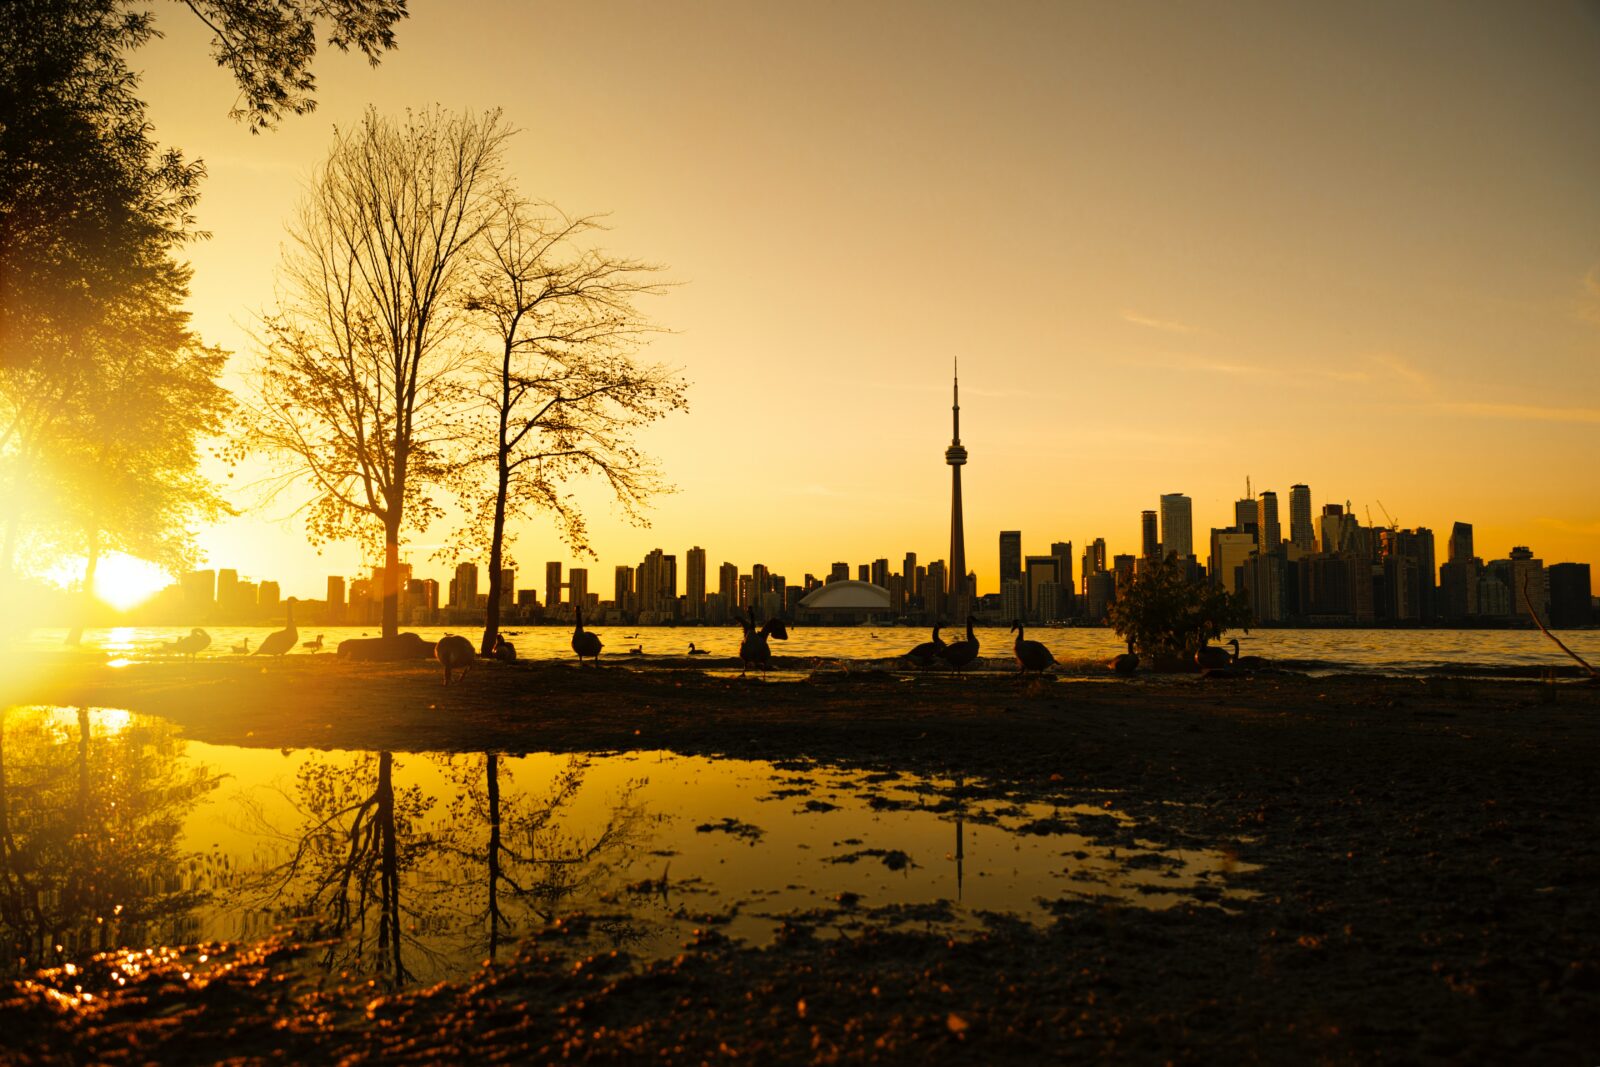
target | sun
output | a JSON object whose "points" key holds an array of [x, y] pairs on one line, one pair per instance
{"points": [[125, 582]]}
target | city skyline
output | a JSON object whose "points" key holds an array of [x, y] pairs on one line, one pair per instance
{"points": [[1432, 357]]}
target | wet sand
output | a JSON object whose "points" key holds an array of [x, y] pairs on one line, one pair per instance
{"points": [[1429, 873]]}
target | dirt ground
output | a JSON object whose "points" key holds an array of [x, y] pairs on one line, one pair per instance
{"points": [[1429, 874]]}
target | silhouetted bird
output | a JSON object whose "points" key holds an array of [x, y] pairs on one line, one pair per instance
{"points": [[697, 651], [960, 653], [1126, 663], [1031, 655], [313, 646], [586, 645], [244, 649], [754, 650], [504, 650], [197, 641], [1249, 663], [927, 653], [281, 642], [1211, 656], [454, 651]]}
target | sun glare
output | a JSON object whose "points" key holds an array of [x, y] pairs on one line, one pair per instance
{"points": [[125, 582]]}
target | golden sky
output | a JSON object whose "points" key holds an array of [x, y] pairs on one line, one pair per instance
{"points": [[1352, 245]]}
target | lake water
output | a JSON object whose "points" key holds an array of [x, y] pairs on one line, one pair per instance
{"points": [[123, 835], [1523, 653]]}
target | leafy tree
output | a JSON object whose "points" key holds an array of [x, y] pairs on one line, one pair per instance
{"points": [[1168, 616], [359, 391], [560, 386], [92, 215]]}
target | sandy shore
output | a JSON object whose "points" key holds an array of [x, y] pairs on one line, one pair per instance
{"points": [[1429, 872]]}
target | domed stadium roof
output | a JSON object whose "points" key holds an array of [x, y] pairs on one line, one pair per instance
{"points": [[847, 595]]}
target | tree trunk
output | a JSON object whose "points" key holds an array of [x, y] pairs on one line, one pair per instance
{"points": [[491, 621], [391, 579], [493, 774], [388, 875], [75, 635]]}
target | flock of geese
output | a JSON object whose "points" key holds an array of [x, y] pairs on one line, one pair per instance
{"points": [[456, 653]]}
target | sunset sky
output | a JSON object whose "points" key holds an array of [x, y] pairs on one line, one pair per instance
{"points": [[1352, 245]]}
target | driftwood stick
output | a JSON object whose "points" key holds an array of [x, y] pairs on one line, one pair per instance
{"points": [[1559, 643]]}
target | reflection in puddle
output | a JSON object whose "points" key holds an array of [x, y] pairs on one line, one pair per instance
{"points": [[414, 867]]}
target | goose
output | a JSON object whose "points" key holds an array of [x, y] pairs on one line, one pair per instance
{"points": [[1211, 656], [313, 646], [1031, 655], [454, 651], [1126, 663], [927, 653], [753, 650], [960, 653], [697, 651], [197, 641], [281, 641], [583, 643], [1249, 663], [504, 650], [242, 650]]}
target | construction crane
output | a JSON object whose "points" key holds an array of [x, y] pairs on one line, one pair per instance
{"points": [[1392, 524]]}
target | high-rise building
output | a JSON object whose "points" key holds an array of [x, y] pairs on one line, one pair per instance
{"points": [[1010, 556], [657, 585], [1244, 514], [1230, 550], [622, 589], [694, 584], [552, 588], [267, 595], [1038, 573], [335, 613], [880, 573], [466, 585], [839, 572], [1571, 596], [228, 598], [578, 585], [728, 586], [1301, 532], [1149, 540], [1094, 559], [1461, 543], [863, 572], [1530, 585], [956, 457], [1177, 525], [1337, 529], [1062, 551], [1268, 533]]}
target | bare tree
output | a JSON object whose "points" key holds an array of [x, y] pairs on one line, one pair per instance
{"points": [[359, 388], [562, 392]]}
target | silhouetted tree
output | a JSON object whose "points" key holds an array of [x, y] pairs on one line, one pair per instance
{"points": [[92, 213], [359, 388], [561, 389], [1166, 615]]}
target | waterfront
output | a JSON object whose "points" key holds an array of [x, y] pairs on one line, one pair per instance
{"points": [[1316, 651]]}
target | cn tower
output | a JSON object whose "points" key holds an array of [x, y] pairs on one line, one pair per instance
{"points": [[956, 456]]}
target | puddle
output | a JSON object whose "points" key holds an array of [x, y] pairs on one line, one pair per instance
{"points": [[117, 834]]}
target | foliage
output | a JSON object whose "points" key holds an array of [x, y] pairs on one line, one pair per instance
{"points": [[359, 391], [1166, 615]]}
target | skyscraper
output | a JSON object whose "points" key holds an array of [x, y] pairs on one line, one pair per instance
{"points": [[1302, 534], [1010, 556], [694, 584], [1149, 545], [956, 457], [1177, 525], [552, 588], [1268, 532], [1461, 542], [466, 583], [728, 586]]}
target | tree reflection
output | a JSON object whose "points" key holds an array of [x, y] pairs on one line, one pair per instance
{"points": [[534, 864], [356, 838], [91, 810]]}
